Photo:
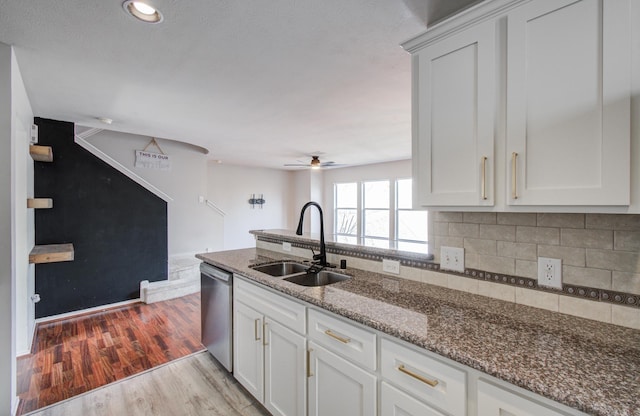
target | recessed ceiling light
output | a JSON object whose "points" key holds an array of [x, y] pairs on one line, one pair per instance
{"points": [[142, 11]]}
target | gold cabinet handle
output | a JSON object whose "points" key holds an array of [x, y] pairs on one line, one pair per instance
{"points": [[255, 329], [514, 176], [264, 333], [338, 337], [484, 177], [425, 380], [309, 373]]}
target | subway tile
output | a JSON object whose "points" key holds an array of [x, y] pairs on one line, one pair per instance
{"points": [[625, 316], [581, 276], [517, 218], [561, 220], [445, 216], [449, 242], [571, 256], [471, 260], [537, 299], [626, 282], [479, 217], [462, 283], [435, 278], [504, 265], [410, 273], [584, 308], [524, 251], [480, 246], [497, 291], [537, 235], [571, 237], [613, 221], [441, 228], [526, 268], [463, 230], [627, 240], [498, 232], [623, 261]]}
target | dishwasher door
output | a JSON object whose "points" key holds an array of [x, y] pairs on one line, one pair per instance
{"points": [[216, 302]]}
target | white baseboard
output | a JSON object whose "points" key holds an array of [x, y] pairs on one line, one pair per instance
{"points": [[84, 311]]}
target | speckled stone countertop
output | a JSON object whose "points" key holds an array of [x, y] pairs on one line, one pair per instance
{"points": [[591, 366]]}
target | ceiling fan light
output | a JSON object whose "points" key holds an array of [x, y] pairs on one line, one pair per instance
{"points": [[315, 162]]}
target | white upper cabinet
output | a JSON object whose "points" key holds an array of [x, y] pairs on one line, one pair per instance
{"points": [[454, 119], [568, 103], [522, 104]]}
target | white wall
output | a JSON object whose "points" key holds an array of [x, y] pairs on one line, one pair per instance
{"points": [[308, 186], [230, 187], [16, 235], [390, 170], [193, 227], [23, 221]]}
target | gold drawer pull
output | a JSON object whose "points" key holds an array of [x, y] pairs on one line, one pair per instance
{"points": [[514, 176], [264, 334], [425, 380], [255, 329], [309, 373], [338, 337], [484, 177]]}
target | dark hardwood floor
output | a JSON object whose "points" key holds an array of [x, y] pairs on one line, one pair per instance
{"points": [[76, 355]]}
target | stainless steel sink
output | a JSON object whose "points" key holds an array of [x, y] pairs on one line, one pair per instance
{"points": [[280, 269], [322, 278]]}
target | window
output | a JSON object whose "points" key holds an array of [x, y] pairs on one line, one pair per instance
{"points": [[379, 214]]}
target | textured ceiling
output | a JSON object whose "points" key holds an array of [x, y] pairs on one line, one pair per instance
{"points": [[255, 82]]}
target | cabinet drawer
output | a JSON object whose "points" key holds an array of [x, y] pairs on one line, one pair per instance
{"points": [[285, 311], [394, 402], [352, 342], [428, 379], [496, 401]]}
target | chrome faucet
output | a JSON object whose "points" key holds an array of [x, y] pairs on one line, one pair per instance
{"points": [[322, 257]]}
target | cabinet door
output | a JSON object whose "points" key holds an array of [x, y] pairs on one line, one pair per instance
{"points": [[454, 124], [393, 402], [284, 370], [495, 401], [568, 103], [248, 359], [337, 387]]}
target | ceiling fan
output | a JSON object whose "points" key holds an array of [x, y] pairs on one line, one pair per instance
{"points": [[315, 164]]}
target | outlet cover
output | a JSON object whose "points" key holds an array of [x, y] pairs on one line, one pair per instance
{"points": [[286, 246], [391, 266], [550, 272], [452, 258]]}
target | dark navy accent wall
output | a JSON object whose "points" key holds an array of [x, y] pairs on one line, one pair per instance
{"points": [[118, 228]]}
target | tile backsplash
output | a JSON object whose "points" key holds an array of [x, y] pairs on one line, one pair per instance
{"points": [[597, 250]]}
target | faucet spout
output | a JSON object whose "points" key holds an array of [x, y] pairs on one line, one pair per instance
{"points": [[322, 257]]}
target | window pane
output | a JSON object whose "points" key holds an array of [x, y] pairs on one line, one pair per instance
{"points": [[376, 194], [414, 247], [346, 221], [404, 194], [346, 239], [412, 225], [347, 195], [375, 242], [376, 223]]}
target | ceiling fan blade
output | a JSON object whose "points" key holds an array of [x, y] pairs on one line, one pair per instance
{"points": [[297, 164]]}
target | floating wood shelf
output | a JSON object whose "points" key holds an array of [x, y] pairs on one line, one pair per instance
{"points": [[41, 153], [51, 253], [39, 203]]}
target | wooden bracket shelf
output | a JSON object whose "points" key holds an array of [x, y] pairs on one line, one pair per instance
{"points": [[41, 153], [51, 253], [39, 203]]}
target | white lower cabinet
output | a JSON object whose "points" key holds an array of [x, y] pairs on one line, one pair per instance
{"points": [[394, 402], [496, 401], [337, 387], [269, 358]]}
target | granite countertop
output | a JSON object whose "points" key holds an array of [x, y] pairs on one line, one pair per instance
{"points": [[591, 366]]}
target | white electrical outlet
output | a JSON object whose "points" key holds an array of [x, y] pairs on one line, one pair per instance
{"points": [[550, 272], [452, 258], [286, 246], [391, 266]]}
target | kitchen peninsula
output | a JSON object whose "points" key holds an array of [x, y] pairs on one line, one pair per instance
{"points": [[574, 362]]}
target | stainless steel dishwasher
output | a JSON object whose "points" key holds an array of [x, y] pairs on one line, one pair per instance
{"points": [[216, 310]]}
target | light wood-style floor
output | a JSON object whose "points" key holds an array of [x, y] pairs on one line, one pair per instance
{"points": [[194, 385]]}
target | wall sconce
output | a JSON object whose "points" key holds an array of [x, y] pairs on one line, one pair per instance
{"points": [[256, 201]]}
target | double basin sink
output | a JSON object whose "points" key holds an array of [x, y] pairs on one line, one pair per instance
{"points": [[300, 274]]}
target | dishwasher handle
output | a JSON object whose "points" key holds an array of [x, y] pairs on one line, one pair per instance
{"points": [[215, 273]]}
